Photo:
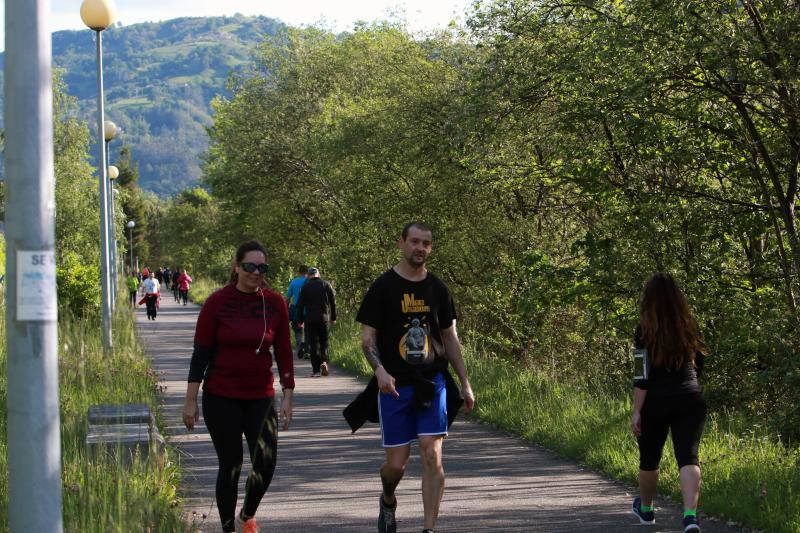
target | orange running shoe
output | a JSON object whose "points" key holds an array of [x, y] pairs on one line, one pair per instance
{"points": [[246, 526]]}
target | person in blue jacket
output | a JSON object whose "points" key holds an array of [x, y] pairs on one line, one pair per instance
{"points": [[292, 294]]}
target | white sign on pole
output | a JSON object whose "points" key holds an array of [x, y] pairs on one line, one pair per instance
{"points": [[36, 284]]}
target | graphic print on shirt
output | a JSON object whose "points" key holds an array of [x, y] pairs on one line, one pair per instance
{"points": [[414, 346]]}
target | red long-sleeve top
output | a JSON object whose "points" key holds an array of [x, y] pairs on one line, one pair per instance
{"points": [[228, 333]]}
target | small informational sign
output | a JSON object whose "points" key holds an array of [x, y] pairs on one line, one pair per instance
{"points": [[36, 286]]}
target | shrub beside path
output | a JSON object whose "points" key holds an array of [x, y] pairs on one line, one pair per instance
{"points": [[327, 479]]}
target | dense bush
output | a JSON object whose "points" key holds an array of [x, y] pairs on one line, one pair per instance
{"points": [[78, 285]]}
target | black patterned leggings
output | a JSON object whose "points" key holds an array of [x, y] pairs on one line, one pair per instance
{"points": [[226, 420]]}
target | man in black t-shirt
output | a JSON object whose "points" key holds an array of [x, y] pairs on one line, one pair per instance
{"points": [[409, 336]]}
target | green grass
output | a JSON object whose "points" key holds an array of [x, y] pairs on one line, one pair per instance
{"points": [[202, 289], [99, 494], [184, 49], [747, 477], [140, 101]]}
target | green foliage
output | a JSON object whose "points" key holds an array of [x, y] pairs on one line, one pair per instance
{"points": [[188, 232], [78, 285], [76, 191], [132, 203], [560, 163], [202, 289]]}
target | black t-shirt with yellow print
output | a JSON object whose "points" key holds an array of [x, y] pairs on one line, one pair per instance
{"points": [[409, 317]]}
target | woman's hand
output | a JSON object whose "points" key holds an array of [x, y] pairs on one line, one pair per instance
{"points": [[636, 423], [191, 414], [286, 408]]}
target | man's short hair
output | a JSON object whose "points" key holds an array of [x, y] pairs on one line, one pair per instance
{"points": [[302, 269], [415, 224], [313, 271]]}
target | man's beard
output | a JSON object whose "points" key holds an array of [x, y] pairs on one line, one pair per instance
{"points": [[416, 260]]}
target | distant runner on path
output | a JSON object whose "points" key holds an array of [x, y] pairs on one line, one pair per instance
{"points": [[176, 291], [167, 277], [667, 397], [152, 290], [316, 311], [235, 330], [132, 282], [184, 282], [409, 335]]}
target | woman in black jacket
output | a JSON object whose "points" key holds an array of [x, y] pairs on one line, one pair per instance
{"points": [[667, 397]]}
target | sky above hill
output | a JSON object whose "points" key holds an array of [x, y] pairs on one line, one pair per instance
{"points": [[420, 15]]}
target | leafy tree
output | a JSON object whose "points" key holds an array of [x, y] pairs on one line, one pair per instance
{"points": [[132, 201], [77, 209], [562, 154]]}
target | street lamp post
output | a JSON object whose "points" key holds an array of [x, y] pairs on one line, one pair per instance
{"points": [[131, 225], [99, 15], [113, 173], [110, 132], [34, 441]]}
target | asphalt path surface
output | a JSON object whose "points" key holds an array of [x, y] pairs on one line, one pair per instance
{"points": [[327, 478]]}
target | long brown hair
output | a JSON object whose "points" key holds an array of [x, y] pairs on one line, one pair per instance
{"points": [[668, 328]]}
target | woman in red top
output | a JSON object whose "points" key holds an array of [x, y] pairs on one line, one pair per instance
{"points": [[235, 330], [184, 280]]}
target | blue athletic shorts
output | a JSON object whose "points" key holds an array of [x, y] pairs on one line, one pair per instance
{"points": [[401, 422]]}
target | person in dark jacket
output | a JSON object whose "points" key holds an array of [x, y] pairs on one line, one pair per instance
{"points": [[409, 337], [667, 397], [316, 311]]}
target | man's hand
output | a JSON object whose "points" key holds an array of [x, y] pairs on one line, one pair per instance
{"points": [[469, 398], [286, 408], [386, 382], [191, 414]]}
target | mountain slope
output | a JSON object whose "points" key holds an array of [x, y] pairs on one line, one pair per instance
{"points": [[159, 81]]}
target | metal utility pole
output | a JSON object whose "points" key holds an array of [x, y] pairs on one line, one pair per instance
{"points": [[99, 15], [34, 442], [131, 224], [105, 260], [109, 133]]}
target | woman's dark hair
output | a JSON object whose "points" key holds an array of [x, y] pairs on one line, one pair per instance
{"points": [[241, 251], [669, 330]]}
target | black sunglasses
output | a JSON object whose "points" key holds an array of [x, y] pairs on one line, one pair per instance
{"points": [[252, 267]]}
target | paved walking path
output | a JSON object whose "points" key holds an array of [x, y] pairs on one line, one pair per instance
{"points": [[327, 479]]}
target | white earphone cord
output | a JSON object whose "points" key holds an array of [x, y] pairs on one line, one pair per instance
{"points": [[264, 315]]}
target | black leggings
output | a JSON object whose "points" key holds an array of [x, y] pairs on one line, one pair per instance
{"points": [[684, 415], [226, 420], [151, 301], [185, 296], [317, 339]]}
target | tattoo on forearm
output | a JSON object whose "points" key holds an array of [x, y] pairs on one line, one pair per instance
{"points": [[372, 355]]}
